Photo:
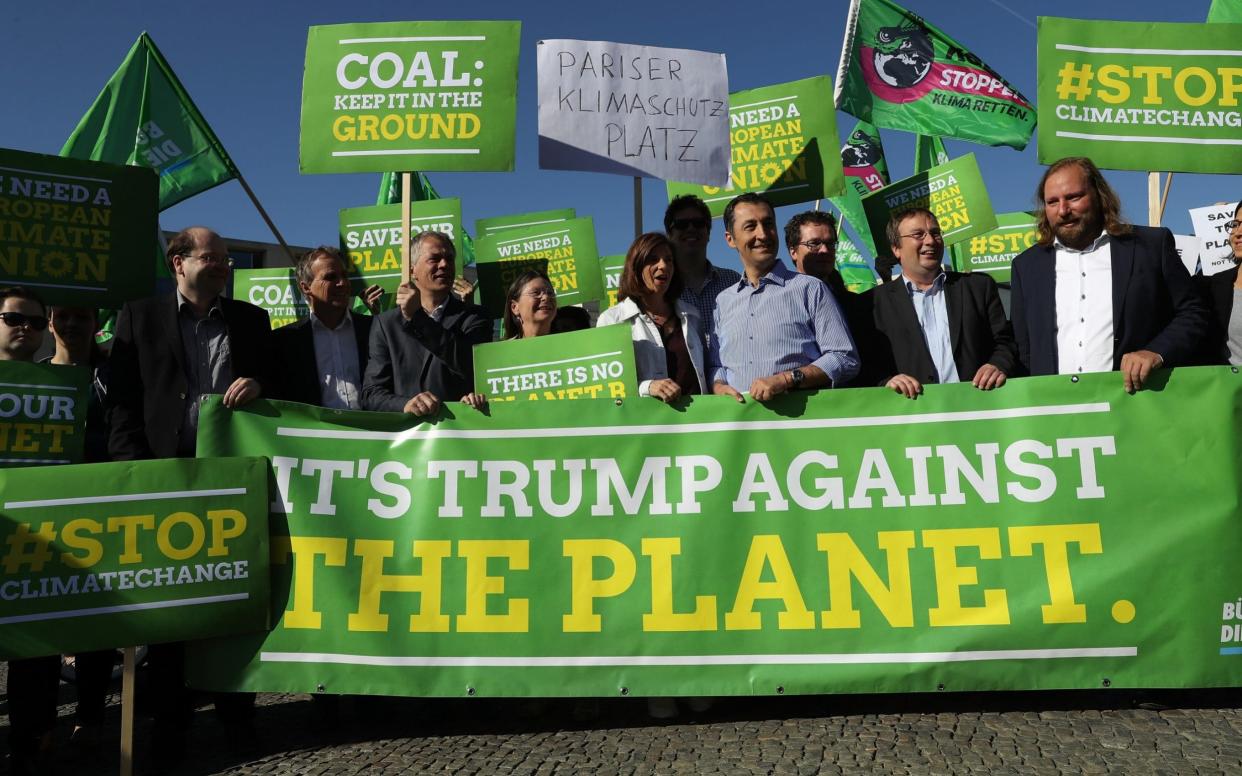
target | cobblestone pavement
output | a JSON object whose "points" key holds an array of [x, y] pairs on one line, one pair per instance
{"points": [[994, 734]]}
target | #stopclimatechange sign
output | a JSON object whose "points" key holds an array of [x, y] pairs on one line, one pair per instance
{"points": [[588, 364], [139, 552], [993, 252], [74, 230], [783, 141], [845, 541], [42, 413], [564, 250], [953, 191], [634, 110], [402, 95], [1141, 95]]}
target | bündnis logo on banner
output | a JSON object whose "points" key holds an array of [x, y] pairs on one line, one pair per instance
{"points": [[896, 67]]}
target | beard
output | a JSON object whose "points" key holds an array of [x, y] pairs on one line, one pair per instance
{"points": [[1080, 233]]}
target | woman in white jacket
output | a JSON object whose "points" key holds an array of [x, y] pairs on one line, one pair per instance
{"points": [[667, 333]]}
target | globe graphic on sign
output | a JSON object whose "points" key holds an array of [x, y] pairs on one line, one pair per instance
{"points": [[903, 56]]}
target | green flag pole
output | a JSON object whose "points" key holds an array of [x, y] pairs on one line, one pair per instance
{"points": [[266, 219]]}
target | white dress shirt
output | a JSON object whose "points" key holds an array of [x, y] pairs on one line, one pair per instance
{"points": [[336, 360], [1084, 299]]}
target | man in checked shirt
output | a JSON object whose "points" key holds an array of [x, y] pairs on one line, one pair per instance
{"points": [[776, 330]]}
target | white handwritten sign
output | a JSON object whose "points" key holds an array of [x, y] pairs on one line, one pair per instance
{"points": [[1214, 252], [634, 110]]}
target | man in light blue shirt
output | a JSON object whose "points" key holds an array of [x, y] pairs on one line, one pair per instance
{"points": [[776, 330]]}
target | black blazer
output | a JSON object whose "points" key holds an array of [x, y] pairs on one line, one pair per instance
{"points": [[1218, 291], [297, 372], [409, 357], [1155, 304], [148, 390], [978, 330]]}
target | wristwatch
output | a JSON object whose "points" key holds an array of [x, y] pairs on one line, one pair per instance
{"points": [[796, 377]]}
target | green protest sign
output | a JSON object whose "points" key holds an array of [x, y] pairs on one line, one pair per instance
{"points": [[783, 144], [486, 226], [275, 290], [610, 268], [565, 250], [395, 95], [900, 71], [993, 252], [588, 364], [371, 238], [1141, 95], [854, 269], [111, 554], [846, 541], [77, 231], [953, 191], [42, 413]]}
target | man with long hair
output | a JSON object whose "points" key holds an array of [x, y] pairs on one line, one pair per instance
{"points": [[1096, 294]]}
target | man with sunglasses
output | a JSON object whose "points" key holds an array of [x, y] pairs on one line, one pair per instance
{"points": [[688, 224], [933, 326], [169, 353], [33, 682]]}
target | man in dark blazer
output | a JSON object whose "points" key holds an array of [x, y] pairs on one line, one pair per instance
{"points": [[422, 351], [322, 358], [933, 326], [1096, 294], [170, 351]]}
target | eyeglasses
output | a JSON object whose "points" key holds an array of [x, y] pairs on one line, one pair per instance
{"points": [[815, 245], [1232, 226], [18, 320], [919, 235], [209, 258], [540, 293], [682, 224]]}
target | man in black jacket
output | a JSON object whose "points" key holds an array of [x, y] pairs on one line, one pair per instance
{"points": [[169, 352], [321, 359], [1096, 294], [422, 352], [933, 326]]}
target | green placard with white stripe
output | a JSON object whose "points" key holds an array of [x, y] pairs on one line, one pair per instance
{"points": [[43, 411]]}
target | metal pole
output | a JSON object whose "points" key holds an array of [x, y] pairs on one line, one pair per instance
{"points": [[638, 206]]}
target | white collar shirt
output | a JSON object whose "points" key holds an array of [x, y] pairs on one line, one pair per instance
{"points": [[1084, 299], [336, 363]]}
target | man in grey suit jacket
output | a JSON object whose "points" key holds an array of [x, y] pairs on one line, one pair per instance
{"points": [[1096, 294], [422, 351]]}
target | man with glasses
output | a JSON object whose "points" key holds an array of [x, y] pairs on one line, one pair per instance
{"points": [[776, 330], [933, 326], [811, 239], [1096, 294], [169, 352], [688, 224]]}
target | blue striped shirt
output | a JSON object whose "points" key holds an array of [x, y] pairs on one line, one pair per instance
{"points": [[715, 280], [933, 312], [788, 321]]}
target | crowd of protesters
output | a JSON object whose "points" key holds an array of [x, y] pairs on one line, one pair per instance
{"points": [[1094, 294]]}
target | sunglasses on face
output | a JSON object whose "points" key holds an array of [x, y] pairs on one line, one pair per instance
{"points": [[18, 320], [681, 224]]}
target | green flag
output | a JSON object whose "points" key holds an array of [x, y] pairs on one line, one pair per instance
{"points": [[144, 117], [421, 190], [928, 153], [1225, 11], [900, 72], [862, 161]]}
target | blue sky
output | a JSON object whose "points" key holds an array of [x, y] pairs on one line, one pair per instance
{"points": [[242, 64]]}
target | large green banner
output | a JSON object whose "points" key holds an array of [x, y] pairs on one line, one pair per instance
{"points": [[1141, 95], [565, 250], [486, 226], [42, 413], [953, 191], [900, 71], [79, 232], [371, 238], [993, 252], [589, 364], [396, 95], [140, 552], [275, 290], [783, 142], [1055, 533]]}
